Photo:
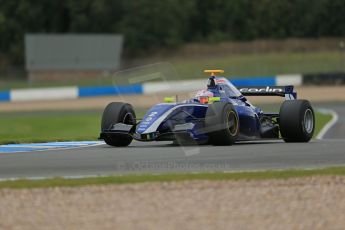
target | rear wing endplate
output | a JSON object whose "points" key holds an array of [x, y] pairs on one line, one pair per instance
{"points": [[282, 91]]}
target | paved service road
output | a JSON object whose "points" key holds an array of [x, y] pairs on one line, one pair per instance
{"points": [[164, 157]]}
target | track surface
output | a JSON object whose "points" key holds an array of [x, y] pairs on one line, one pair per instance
{"points": [[164, 157]]}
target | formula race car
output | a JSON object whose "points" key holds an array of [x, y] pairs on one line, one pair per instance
{"points": [[220, 114]]}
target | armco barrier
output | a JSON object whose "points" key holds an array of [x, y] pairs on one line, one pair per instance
{"points": [[145, 88]]}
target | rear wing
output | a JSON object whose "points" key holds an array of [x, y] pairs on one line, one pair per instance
{"points": [[282, 91]]}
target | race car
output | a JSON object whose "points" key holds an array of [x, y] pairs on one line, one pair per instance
{"points": [[220, 114]]}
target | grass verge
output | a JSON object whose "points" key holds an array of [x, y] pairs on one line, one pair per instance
{"points": [[26, 127], [130, 179], [321, 120]]}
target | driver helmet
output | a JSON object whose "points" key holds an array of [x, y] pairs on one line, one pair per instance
{"points": [[203, 96]]}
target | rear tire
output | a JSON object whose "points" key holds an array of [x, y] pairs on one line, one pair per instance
{"points": [[296, 121], [117, 112], [222, 123]]}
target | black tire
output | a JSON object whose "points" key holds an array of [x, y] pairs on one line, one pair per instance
{"points": [[117, 112], [222, 123], [296, 121]]}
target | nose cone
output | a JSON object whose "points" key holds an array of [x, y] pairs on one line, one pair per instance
{"points": [[153, 118]]}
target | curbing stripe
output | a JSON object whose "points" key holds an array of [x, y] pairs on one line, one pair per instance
{"points": [[173, 86], [265, 81], [109, 90], [56, 93], [35, 147], [191, 85], [5, 96], [53, 93], [289, 79]]}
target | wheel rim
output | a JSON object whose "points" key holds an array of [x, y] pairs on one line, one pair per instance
{"points": [[232, 123], [308, 121], [129, 119]]}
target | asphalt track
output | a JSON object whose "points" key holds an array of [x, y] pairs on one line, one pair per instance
{"points": [[164, 157]]}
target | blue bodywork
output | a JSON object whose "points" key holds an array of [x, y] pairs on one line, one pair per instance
{"points": [[166, 120]]}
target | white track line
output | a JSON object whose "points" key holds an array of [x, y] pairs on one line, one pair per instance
{"points": [[55, 177], [330, 124], [50, 148]]}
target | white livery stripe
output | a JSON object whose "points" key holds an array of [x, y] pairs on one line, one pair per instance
{"points": [[289, 79], [55, 93], [156, 124]]}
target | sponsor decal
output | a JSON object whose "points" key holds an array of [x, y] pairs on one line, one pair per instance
{"points": [[221, 81], [266, 89], [151, 116], [148, 119]]}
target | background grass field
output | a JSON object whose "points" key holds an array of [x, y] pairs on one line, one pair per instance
{"points": [[268, 64], [235, 66], [24, 127]]}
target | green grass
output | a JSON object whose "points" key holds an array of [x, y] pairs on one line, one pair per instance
{"points": [[219, 176], [321, 121], [49, 126], [27, 127], [236, 66], [263, 64]]}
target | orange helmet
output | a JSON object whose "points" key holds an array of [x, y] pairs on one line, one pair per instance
{"points": [[203, 96]]}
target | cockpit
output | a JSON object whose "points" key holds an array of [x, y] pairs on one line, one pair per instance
{"points": [[217, 88], [222, 87]]}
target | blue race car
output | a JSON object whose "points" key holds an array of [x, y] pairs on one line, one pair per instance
{"points": [[218, 115]]}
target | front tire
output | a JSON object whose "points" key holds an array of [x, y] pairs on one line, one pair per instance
{"points": [[117, 112], [296, 121], [222, 123]]}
